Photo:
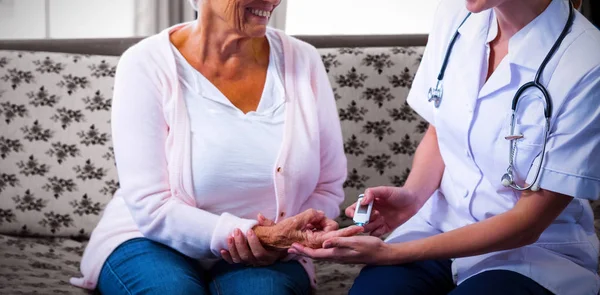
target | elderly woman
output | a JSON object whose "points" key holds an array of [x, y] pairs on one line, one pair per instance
{"points": [[216, 122]]}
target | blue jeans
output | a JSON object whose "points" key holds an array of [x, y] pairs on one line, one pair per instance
{"points": [[141, 266], [434, 277]]}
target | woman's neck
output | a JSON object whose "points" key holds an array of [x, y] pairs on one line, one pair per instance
{"points": [[216, 50], [217, 42], [513, 15]]}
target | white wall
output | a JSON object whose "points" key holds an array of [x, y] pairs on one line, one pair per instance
{"points": [[22, 19], [359, 17], [26, 19], [92, 18]]}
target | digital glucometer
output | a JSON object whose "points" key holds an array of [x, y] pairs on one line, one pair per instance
{"points": [[362, 213]]}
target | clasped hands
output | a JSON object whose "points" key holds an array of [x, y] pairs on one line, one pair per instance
{"points": [[312, 235], [268, 242]]}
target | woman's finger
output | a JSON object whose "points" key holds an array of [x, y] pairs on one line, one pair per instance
{"points": [[226, 256], [258, 251], [330, 225], [233, 251], [311, 216], [263, 221], [324, 224], [310, 227], [241, 245]]}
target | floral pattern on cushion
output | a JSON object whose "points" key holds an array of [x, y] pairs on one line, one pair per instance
{"points": [[55, 152], [381, 132]]}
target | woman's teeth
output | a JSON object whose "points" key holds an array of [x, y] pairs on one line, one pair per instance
{"points": [[259, 12]]}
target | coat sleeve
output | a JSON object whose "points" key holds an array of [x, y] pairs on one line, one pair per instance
{"points": [[570, 164]]}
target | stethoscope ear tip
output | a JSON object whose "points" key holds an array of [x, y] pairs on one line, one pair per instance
{"points": [[535, 187]]}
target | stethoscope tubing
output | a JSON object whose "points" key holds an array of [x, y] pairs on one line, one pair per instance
{"points": [[435, 95]]}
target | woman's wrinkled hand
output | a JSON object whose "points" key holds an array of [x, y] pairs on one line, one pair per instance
{"points": [[268, 242], [309, 228]]}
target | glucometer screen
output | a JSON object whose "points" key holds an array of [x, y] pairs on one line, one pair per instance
{"points": [[363, 209]]}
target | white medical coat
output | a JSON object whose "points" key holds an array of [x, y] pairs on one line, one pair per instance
{"points": [[473, 119]]}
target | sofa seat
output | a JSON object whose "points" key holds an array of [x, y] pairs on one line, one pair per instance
{"points": [[40, 265]]}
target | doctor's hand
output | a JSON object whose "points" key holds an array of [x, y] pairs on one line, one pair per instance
{"points": [[248, 249], [358, 249], [392, 206]]}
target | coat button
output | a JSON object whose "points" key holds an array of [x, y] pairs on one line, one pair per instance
{"points": [[281, 214], [278, 169]]}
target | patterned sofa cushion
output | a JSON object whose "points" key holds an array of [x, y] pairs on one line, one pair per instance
{"points": [[55, 145], [57, 171], [381, 131]]}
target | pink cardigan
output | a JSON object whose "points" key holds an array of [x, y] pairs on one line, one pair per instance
{"points": [[151, 136]]}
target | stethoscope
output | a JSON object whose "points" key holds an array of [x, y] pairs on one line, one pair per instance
{"points": [[435, 95]]}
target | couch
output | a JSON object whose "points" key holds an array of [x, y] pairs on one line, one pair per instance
{"points": [[57, 165]]}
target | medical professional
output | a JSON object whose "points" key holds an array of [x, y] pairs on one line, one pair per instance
{"points": [[494, 204]]}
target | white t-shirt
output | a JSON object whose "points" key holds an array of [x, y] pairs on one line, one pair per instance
{"points": [[234, 154]]}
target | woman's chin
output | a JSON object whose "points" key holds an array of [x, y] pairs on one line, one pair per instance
{"points": [[255, 25], [255, 31]]}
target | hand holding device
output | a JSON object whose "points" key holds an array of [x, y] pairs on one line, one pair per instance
{"points": [[391, 207]]}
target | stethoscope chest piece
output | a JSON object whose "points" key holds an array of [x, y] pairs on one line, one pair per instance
{"points": [[507, 179], [435, 94]]}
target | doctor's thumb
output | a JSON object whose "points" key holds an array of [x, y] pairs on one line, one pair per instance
{"points": [[369, 196], [379, 192]]}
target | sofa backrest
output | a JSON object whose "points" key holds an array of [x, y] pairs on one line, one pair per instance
{"points": [[56, 164], [56, 161]]}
